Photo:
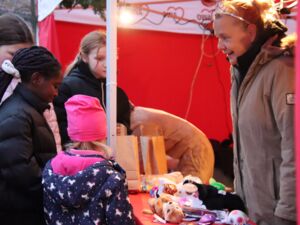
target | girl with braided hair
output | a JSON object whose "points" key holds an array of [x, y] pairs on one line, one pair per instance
{"points": [[15, 34], [26, 141], [262, 107]]}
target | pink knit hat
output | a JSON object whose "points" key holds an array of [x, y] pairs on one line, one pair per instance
{"points": [[86, 119]]}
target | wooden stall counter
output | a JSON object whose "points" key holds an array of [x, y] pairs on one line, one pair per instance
{"points": [[139, 202]]}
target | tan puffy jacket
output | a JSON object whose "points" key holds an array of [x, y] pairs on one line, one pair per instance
{"points": [[183, 140]]}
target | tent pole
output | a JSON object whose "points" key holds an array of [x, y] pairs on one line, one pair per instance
{"points": [[111, 81], [34, 9]]}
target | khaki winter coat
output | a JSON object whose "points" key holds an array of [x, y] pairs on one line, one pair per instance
{"points": [[263, 120], [183, 140]]}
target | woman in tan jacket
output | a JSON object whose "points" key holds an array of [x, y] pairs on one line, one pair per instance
{"points": [[262, 107]]}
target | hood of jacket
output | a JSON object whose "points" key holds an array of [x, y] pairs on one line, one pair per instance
{"points": [[269, 40], [268, 51]]}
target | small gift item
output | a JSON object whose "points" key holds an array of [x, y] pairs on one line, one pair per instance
{"points": [[172, 212], [169, 189], [190, 189], [187, 189], [207, 219], [166, 208], [237, 217], [216, 184]]}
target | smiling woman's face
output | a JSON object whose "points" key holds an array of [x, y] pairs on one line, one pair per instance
{"points": [[234, 38], [8, 51]]}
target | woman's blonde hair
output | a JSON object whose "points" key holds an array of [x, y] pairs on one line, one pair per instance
{"points": [[92, 40], [92, 145], [258, 12]]}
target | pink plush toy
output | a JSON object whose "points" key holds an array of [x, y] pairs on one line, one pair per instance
{"points": [[237, 217]]}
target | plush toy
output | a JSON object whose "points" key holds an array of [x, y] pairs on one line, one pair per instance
{"points": [[188, 196], [166, 208], [165, 186], [190, 179], [187, 189], [215, 199], [216, 184], [237, 217]]}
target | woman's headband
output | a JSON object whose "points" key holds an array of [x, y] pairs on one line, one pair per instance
{"points": [[266, 15], [221, 10]]}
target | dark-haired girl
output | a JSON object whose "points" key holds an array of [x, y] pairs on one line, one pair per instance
{"points": [[26, 141], [15, 34]]}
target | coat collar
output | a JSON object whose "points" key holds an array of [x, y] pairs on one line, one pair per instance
{"points": [[31, 98], [266, 54], [263, 49], [85, 71]]}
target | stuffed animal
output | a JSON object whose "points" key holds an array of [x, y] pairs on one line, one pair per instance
{"points": [[166, 208], [188, 196], [215, 199], [165, 186], [237, 217], [187, 189]]}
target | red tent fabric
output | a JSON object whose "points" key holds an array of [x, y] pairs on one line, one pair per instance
{"points": [[157, 69], [48, 35]]}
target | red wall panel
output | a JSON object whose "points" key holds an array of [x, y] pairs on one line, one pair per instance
{"points": [[156, 69]]}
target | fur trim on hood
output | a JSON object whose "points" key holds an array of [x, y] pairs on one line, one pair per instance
{"points": [[287, 46], [289, 42]]}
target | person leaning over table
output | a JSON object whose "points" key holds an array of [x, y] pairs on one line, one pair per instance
{"points": [[187, 147]]}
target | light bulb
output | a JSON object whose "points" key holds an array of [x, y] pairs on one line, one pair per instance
{"points": [[125, 16]]}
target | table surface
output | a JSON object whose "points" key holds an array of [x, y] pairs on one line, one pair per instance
{"points": [[139, 202]]}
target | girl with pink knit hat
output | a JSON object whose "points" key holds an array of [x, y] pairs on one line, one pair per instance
{"points": [[82, 185]]}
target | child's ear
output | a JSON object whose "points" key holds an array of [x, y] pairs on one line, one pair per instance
{"points": [[36, 78]]}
